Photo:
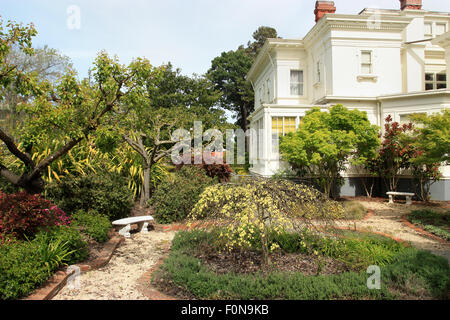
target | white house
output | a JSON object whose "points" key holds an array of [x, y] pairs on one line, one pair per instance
{"points": [[385, 62]]}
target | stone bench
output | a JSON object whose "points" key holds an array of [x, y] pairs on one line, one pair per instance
{"points": [[124, 225], [408, 196]]}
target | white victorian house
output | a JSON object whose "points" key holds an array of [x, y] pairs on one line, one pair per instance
{"points": [[384, 62]]}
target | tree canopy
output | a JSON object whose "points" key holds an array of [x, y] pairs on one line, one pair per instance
{"points": [[325, 141]]}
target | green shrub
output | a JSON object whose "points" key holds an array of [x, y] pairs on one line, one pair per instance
{"points": [[431, 221], [92, 224], [105, 192], [176, 195], [25, 265], [70, 235]]}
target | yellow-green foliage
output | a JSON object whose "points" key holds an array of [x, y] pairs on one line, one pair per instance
{"points": [[260, 206]]}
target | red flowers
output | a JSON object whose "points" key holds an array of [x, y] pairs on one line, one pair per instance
{"points": [[22, 214]]}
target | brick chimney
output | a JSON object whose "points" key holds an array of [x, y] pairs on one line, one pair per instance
{"points": [[323, 7], [411, 4]]}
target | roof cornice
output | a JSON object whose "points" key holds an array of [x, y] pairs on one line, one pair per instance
{"points": [[268, 46], [357, 22]]}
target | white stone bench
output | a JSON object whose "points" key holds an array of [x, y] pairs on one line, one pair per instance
{"points": [[124, 225], [408, 196]]}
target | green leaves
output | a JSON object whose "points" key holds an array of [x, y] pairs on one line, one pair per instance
{"points": [[326, 140]]}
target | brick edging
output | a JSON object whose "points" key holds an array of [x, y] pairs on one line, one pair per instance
{"points": [[145, 287], [424, 233], [52, 286]]}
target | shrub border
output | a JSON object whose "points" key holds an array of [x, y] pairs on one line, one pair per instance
{"points": [[421, 231], [144, 283], [55, 284]]}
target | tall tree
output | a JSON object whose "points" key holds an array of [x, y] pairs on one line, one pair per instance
{"points": [[260, 36], [228, 73], [45, 63], [168, 101]]}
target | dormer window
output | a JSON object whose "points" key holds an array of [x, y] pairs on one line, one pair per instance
{"points": [[435, 81], [366, 62], [428, 29], [296, 82], [318, 72], [441, 28]]}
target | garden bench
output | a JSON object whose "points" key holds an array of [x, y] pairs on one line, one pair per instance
{"points": [[124, 225], [408, 196]]}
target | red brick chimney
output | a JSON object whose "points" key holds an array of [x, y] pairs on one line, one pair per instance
{"points": [[411, 4], [323, 7]]}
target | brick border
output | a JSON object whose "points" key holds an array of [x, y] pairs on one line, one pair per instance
{"points": [[422, 232], [52, 286], [145, 287]]}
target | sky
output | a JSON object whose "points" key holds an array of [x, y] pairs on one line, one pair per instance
{"points": [[188, 33]]}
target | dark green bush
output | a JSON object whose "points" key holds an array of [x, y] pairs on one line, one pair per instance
{"points": [[24, 265], [105, 192], [92, 224], [176, 195]]}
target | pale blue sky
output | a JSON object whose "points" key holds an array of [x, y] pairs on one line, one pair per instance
{"points": [[189, 33]]}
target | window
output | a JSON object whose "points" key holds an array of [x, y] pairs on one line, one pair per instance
{"points": [[268, 89], [318, 72], [296, 82], [280, 127], [441, 28], [435, 81], [428, 29], [366, 62]]}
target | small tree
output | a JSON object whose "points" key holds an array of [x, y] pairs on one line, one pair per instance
{"points": [[395, 153], [432, 142], [325, 141], [251, 209]]}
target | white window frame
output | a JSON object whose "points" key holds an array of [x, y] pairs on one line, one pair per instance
{"points": [[302, 84], [431, 29], [435, 82], [440, 24], [362, 63]]}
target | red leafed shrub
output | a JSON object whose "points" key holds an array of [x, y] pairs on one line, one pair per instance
{"points": [[22, 214], [220, 170]]}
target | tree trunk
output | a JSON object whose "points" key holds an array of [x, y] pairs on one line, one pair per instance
{"points": [[32, 186], [145, 193]]}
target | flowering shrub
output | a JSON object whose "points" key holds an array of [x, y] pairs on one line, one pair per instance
{"points": [[254, 208], [220, 170], [22, 214]]}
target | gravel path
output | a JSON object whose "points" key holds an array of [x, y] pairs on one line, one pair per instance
{"points": [[387, 219], [118, 279]]}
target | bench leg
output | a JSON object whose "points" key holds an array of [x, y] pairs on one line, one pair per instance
{"points": [[143, 227], [391, 199], [125, 231], [408, 200]]}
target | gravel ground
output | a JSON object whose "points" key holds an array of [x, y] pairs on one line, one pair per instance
{"points": [[118, 279]]}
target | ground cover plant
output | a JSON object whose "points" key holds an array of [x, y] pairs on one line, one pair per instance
{"points": [[432, 221], [305, 266]]}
